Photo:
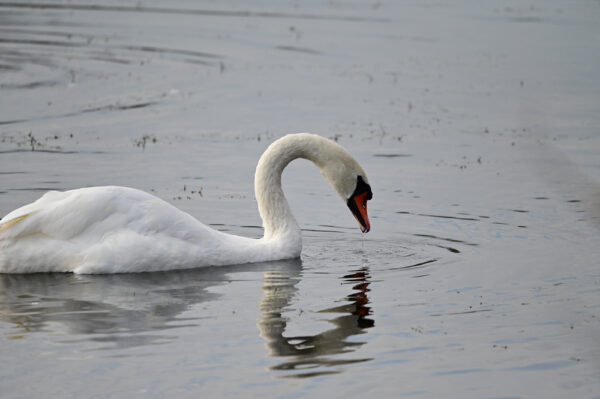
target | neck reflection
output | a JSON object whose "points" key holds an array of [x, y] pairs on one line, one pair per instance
{"points": [[313, 355]]}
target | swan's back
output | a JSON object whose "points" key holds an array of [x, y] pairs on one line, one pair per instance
{"points": [[99, 229]]}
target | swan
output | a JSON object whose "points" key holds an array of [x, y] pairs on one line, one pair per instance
{"points": [[121, 230]]}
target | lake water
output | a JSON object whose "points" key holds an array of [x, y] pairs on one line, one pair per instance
{"points": [[477, 124]]}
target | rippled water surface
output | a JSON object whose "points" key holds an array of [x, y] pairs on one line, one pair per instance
{"points": [[476, 122]]}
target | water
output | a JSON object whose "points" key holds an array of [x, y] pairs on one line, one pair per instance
{"points": [[476, 123]]}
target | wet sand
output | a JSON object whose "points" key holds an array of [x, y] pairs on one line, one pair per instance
{"points": [[477, 124]]}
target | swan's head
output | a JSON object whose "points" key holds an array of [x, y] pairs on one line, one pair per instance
{"points": [[357, 203], [349, 180]]}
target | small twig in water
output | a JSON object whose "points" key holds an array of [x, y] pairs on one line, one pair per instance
{"points": [[142, 142], [32, 141]]}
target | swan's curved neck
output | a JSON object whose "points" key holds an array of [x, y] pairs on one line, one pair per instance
{"points": [[278, 221]]}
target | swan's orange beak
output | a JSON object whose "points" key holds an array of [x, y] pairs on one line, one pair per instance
{"points": [[358, 205]]}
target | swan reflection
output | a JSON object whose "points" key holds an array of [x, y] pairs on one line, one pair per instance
{"points": [[120, 311], [314, 352], [117, 310]]}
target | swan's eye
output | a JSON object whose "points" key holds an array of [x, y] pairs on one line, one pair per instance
{"points": [[363, 187]]}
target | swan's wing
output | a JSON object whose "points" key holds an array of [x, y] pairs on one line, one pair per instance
{"points": [[94, 212]]}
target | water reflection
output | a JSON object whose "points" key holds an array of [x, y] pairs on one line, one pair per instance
{"points": [[116, 312], [120, 311], [313, 352]]}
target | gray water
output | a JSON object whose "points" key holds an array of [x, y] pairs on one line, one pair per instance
{"points": [[478, 126]]}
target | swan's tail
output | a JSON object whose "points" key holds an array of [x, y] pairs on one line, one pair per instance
{"points": [[6, 225]]}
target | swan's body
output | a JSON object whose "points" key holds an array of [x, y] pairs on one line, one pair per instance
{"points": [[118, 229]]}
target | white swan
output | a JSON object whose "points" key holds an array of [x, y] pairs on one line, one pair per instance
{"points": [[120, 230]]}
